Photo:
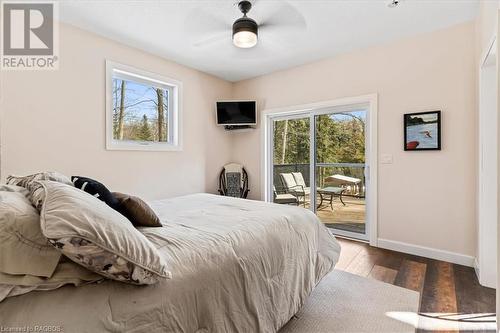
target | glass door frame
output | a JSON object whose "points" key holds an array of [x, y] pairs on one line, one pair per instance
{"points": [[311, 111]]}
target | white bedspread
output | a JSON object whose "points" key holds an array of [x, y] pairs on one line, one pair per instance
{"points": [[237, 266]]}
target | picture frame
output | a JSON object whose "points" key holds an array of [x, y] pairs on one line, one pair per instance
{"points": [[422, 131]]}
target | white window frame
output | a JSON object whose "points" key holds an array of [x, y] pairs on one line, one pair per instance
{"points": [[174, 143]]}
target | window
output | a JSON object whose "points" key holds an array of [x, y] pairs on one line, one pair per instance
{"points": [[142, 110]]}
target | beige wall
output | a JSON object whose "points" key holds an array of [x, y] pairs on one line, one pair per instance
{"points": [[55, 121], [425, 198]]}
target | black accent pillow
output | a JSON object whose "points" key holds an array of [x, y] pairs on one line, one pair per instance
{"points": [[96, 189]]}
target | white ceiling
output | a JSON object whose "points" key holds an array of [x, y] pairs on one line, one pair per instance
{"points": [[197, 33]]}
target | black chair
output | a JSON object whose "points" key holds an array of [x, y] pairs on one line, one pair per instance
{"points": [[233, 181]]}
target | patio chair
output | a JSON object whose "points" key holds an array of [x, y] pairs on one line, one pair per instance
{"points": [[294, 184], [284, 198], [233, 181]]}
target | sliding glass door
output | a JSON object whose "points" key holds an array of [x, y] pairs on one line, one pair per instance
{"points": [[319, 162], [340, 171], [291, 160]]}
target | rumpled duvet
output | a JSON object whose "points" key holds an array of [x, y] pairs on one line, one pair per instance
{"points": [[237, 266]]}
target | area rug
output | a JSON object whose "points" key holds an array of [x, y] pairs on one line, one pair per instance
{"points": [[343, 302]]}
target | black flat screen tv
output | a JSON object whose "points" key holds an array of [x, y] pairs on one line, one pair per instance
{"points": [[236, 113]]}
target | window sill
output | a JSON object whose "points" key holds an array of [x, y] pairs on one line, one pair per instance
{"points": [[138, 146]]}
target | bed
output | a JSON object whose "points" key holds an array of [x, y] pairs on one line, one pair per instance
{"points": [[237, 266]]}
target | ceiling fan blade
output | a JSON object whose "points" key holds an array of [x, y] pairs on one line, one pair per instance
{"points": [[201, 21], [286, 15], [206, 28], [216, 38]]}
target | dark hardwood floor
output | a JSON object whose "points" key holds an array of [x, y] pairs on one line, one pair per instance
{"points": [[444, 287]]}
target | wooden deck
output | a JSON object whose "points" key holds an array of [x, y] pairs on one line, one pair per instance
{"points": [[350, 217]]}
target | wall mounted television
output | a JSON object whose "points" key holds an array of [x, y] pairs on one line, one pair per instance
{"points": [[236, 113]]}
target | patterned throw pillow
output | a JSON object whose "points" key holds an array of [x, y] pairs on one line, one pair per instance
{"points": [[24, 181], [92, 234], [102, 261], [97, 189], [34, 189]]}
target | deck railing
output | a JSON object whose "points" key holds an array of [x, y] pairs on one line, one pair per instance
{"points": [[324, 170]]}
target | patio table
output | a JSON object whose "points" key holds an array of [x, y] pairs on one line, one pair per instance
{"points": [[330, 191]]}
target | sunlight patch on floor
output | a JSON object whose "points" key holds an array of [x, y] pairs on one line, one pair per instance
{"points": [[447, 321]]}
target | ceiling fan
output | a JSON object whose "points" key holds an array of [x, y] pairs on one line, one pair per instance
{"points": [[271, 18], [245, 29]]}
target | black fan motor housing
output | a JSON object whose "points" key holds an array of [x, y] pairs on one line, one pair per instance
{"points": [[245, 24]]}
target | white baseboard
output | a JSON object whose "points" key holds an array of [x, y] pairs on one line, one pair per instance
{"points": [[486, 281], [476, 267], [427, 252]]}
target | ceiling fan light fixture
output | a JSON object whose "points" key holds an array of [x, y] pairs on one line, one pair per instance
{"points": [[245, 39], [245, 33]]}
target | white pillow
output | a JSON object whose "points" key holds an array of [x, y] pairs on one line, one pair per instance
{"points": [[23, 247], [94, 235]]}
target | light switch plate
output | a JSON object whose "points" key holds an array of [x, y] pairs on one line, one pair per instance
{"points": [[386, 159]]}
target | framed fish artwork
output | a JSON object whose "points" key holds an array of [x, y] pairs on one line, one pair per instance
{"points": [[422, 131]]}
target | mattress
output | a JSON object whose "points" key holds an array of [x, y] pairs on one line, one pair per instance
{"points": [[237, 266]]}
